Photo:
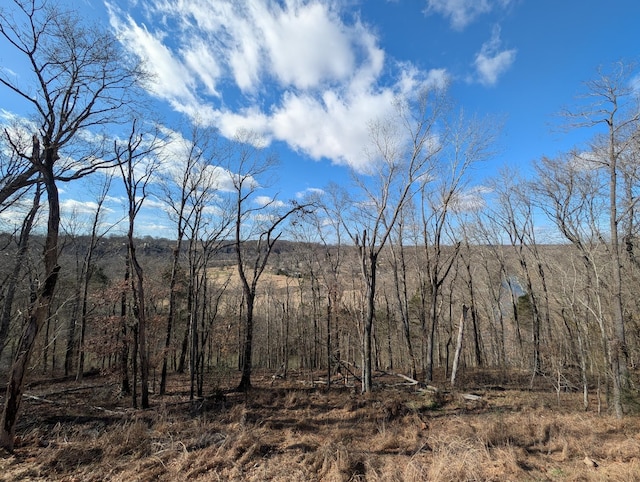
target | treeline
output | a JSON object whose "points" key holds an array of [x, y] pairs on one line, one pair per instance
{"points": [[409, 266]]}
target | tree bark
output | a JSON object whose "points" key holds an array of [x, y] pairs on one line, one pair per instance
{"points": [[12, 282], [456, 357], [171, 314], [39, 309]]}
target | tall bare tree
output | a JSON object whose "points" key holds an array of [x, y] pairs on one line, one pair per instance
{"points": [[400, 278], [402, 148], [187, 188], [97, 233], [513, 212], [572, 195], [613, 103], [467, 141], [78, 80], [137, 163], [257, 227]]}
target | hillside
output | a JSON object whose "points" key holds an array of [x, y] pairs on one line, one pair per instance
{"points": [[292, 430]]}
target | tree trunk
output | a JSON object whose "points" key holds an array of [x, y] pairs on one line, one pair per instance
{"points": [[456, 357], [245, 380], [38, 310], [12, 282], [125, 384], [370, 279], [83, 311], [141, 317], [328, 346], [171, 314], [618, 343], [433, 321]]}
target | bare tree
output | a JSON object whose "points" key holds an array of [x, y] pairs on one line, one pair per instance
{"points": [[207, 230], [187, 189], [612, 103], [468, 259], [257, 228], [401, 283], [513, 212], [137, 164], [456, 357], [468, 141], [78, 81], [88, 271], [400, 161], [321, 234]]}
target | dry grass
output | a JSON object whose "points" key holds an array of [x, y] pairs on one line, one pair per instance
{"points": [[287, 432]]}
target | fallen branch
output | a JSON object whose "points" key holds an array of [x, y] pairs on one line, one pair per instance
{"points": [[77, 389], [283, 369], [344, 365], [412, 381], [40, 399], [106, 410], [471, 397]]}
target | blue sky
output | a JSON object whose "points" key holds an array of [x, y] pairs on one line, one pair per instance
{"points": [[309, 76]]}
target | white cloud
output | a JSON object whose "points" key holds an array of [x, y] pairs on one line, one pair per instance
{"points": [[19, 130], [635, 83], [203, 63], [319, 77], [226, 181], [491, 62], [115, 199], [310, 192], [13, 214], [171, 79], [462, 12], [306, 44], [330, 126], [79, 207], [470, 200], [153, 229], [438, 78], [152, 203], [251, 119], [268, 201]]}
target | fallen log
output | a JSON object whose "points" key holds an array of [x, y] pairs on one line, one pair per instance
{"points": [[471, 397], [411, 381]]}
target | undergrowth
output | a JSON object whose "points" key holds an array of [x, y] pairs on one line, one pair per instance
{"points": [[290, 431]]}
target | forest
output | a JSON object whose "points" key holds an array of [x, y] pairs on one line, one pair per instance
{"points": [[407, 276]]}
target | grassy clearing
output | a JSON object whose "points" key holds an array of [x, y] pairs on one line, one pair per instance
{"points": [[289, 431]]}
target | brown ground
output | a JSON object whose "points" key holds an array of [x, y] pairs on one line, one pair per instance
{"points": [[289, 430]]}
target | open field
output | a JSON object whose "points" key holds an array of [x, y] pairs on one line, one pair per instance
{"points": [[293, 430]]}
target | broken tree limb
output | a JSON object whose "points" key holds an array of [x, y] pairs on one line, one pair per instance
{"points": [[411, 381], [280, 373], [39, 399], [344, 365]]}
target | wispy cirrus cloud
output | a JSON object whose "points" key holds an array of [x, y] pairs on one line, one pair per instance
{"points": [[463, 12], [171, 79]]}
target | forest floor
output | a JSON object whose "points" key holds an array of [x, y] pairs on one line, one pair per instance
{"points": [[296, 430]]}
